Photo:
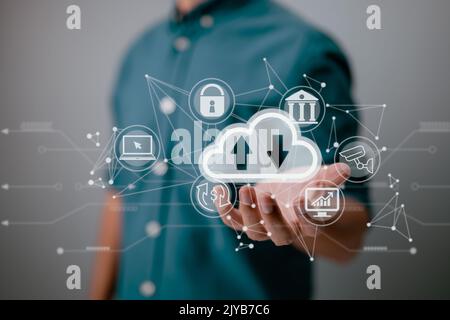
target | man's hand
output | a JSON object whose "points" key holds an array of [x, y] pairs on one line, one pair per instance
{"points": [[274, 211]]}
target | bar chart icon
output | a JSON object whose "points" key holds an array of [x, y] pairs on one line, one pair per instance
{"points": [[322, 201]]}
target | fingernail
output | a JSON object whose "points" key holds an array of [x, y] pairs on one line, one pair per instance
{"points": [[267, 206], [245, 196]]}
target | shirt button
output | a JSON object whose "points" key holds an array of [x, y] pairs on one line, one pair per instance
{"points": [[147, 289], [206, 21], [153, 229], [160, 168], [167, 105], [182, 43]]}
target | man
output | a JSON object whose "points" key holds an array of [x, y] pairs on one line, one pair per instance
{"points": [[224, 39]]}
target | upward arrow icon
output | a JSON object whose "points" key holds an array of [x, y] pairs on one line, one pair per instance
{"points": [[241, 150]]}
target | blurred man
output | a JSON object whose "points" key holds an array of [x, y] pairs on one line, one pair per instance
{"points": [[224, 39]]}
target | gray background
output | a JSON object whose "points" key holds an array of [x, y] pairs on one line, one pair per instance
{"points": [[48, 73]]}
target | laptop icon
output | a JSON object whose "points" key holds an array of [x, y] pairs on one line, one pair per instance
{"points": [[137, 148]]}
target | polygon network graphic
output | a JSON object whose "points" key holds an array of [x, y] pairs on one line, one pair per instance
{"points": [[274, 150]]}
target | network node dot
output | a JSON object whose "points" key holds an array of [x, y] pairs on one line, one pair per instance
{"points": [[287, 205], [166, 160], [368, 224], [336, 144], [413, 251], [245, 228], [393, 228], [90, 182], [89, 136], [271, 87], [383, 149], [91, 173], [114, 129], [377, 138], [311, 259], [97, 133], [60, 251], [269, 234], [251, 246], [111, 182], [402, 205], [323, 84], [272, 196], [347, 111], [113, 197], [108, 160], [410, 240], [228, 217], [253, 205], [327, 150], [261, 222], [333, 118], [238, 237]]}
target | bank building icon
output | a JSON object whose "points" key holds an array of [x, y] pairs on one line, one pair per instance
{"points": [[301, 106]]}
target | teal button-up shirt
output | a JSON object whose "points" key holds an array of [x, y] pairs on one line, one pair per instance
{"points": [[192, 257]]}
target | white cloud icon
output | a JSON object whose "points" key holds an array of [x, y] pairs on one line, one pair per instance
{"points": [[268, 147]]}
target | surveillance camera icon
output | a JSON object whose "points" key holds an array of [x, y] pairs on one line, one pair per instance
{"points": [[355, 154]]}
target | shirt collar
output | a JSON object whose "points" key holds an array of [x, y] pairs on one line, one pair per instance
{"points": [[206, 7]]}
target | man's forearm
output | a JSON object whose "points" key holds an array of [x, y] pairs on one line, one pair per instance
{"points": [[105, 265]]}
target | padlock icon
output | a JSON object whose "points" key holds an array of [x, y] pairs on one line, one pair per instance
{"points": [[212, 106]]}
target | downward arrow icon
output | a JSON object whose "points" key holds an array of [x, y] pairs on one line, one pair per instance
{"points": [[277, 154]]}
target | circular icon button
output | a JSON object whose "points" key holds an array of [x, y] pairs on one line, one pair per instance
{"points": [[361, 155], [305, 107], [211, 101], [323, 203], [205, 194], [136, 148]]}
